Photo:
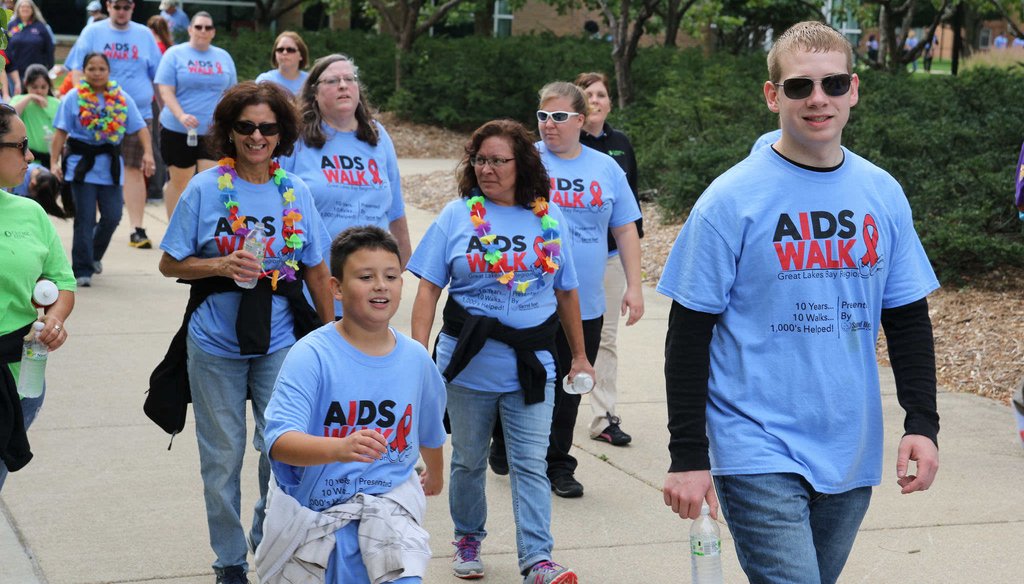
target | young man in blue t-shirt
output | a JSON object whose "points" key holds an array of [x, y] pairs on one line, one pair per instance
{"points": [[355, 405], [784, 271]]}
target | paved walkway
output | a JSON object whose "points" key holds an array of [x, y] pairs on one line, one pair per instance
{"points": [[105, 501]]}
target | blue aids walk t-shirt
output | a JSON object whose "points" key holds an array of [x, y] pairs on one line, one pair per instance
{"points": [[451, 254], [594, 195], [766, 139], [22, 189], [68, 120], [292, 85], [401, 395], [199, 78], [132, 53], [799, 265], [200, 228]]}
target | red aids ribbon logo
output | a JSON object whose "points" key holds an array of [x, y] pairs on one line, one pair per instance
{"points": [[374, 171], [400, 444], [595, 194], [135, 52], [870, 231], [220, 69]]}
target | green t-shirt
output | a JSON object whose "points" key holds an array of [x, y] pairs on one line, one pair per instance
{"points": [[38, 122], [29, 249]]}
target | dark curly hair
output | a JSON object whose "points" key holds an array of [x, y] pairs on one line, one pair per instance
{"points": [[531, 176], [309, 110], [241, 96]]}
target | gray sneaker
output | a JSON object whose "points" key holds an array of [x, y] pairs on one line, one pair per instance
{"points": [[548, 572], [97, 267], [83, 281], [467, 564]]}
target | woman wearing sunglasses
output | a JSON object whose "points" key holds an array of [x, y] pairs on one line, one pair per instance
{"points": [[593, 193], [191, 78], [92, 121], [33, 253], [237, 339], [345, 156], [499, 251], [289, 58]]}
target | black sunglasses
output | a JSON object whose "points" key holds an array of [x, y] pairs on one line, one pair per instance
{"points": [[247, 128], [23, 145], [203, 27], [801, 87], [286, 50]]}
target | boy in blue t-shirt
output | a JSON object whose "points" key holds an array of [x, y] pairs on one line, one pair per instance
{"points": [[785, 270], [355, 404]]}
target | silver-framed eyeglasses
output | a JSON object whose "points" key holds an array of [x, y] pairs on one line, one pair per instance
{"points": [[336, 81], [495, 162], [557, 117]]}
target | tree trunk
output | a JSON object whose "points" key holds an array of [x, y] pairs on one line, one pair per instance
{"points": [[673, 18]]}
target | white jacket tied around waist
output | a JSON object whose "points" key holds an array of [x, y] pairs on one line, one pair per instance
{"points": [[298, 541]]}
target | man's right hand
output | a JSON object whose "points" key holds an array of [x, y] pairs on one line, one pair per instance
{"points": [[685, 492]]}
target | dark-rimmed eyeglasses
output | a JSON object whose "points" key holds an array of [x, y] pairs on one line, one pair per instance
{"points": [[802, 87], [203, 27], [494, 162], [23, 145], [289, 50], [557, 117], [247, 128]]}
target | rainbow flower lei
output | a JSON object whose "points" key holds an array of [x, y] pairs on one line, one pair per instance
{"points": [[286, 266], [547, 250], [107, 124]]}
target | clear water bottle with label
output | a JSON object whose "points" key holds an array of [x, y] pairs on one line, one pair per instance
{"points": [[581, 384], [192, 139], [256, 244], [705, 549], [33, 363]]}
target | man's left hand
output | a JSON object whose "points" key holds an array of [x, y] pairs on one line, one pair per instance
{"points": [[923, 451]]}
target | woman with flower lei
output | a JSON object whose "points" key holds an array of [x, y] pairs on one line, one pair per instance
{"points": [[237, 339], [92, 121], [512, 284], [31, 41]]}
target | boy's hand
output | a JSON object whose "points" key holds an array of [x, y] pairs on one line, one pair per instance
{"points": [[431, 485], [361, 446]]}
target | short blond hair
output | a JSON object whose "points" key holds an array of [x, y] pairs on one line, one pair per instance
{"points": [[812, 36], [567, 90]]}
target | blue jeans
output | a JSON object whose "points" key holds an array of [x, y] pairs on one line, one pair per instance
{"points": [[472, 414], [219, 389], [91, 239], [786, 532], [29, 408]]}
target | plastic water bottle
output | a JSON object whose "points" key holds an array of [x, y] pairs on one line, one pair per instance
{"points": [[705, 549], [193, 137], [45, 293], [33, 363], [256, 244], [1018, 411], [582, 383]]}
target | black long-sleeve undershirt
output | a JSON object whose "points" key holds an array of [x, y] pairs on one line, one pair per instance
{"points": [[908, 331]]}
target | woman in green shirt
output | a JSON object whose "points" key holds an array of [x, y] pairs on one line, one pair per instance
{"points": [[37, 107]]}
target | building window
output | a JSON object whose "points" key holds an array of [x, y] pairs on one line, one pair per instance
{"points": [[985, 38], [502, 19]]}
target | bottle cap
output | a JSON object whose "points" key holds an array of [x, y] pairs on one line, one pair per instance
{"points": [[38, 325], [45, 293]]}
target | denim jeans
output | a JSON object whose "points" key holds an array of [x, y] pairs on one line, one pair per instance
{"points": [[219, 389], [91, 239], [29, 408], [786, 532], [526, 427]]}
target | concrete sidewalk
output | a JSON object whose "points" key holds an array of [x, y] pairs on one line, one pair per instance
{"points": [[105, 501]]}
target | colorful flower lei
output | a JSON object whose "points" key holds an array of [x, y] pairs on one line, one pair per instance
{"points": [[547, 250], [107, 124], [288, 266]]}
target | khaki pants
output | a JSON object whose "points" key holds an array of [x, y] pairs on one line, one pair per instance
{"points": [[603, 398]]}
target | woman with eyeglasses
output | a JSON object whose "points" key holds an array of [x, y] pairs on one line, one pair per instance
{"points": [[289, 58], [345, 156], [33, 253], [92, 121], [191, 78], [504, 254], [598, 134], [236, 336], [594, 194]]}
